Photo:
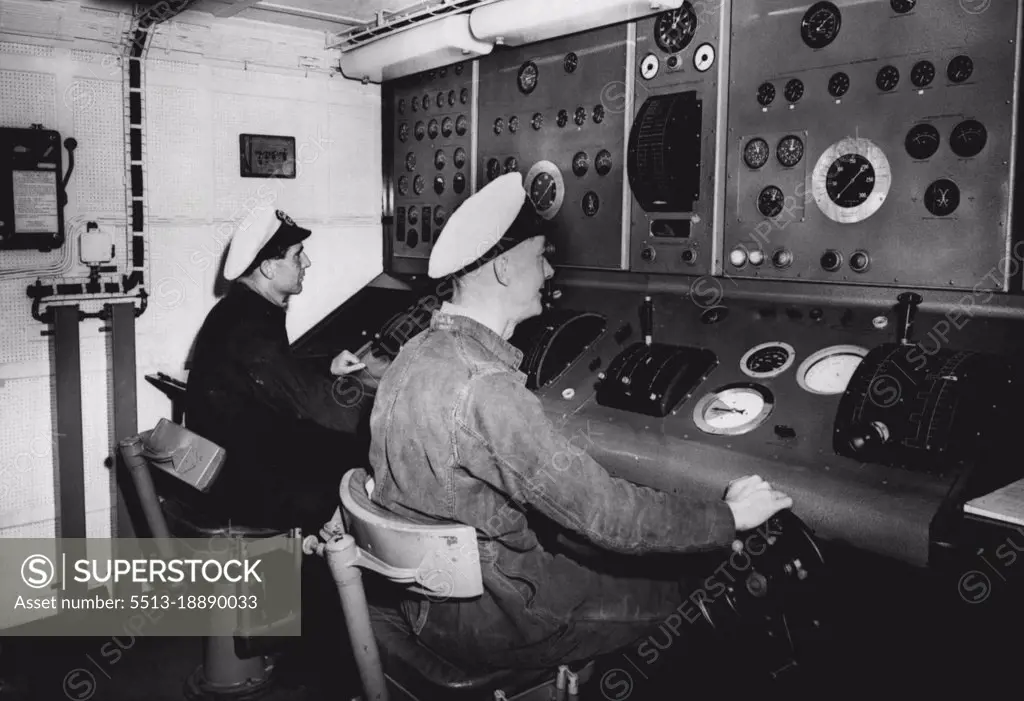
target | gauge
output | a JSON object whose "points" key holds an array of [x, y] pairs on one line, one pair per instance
{"points": [[820, 25], [942, 197], [451, 98], [440, 160], [461, 125], [439, 184], [902, 6], [922, 74], [571, 62], [499, 125], [447, 126], [851, 180], [794, 90], [440, 100], [403, 132], [420, 130], [459, 183], [415, 104], [649, 67], [459, 159], [790, 151], [922, 141], [598, 114], [603, 162], [513, 124], [511, 164], [674, 30], [464, 96], [580, 116], [767, 359], [563, 118], [401, 106], [546, 188], [403, 185], [440, 216], [458, 69], [838, 84], [888, 78], [418, 184], [433, 129], [770, 201], [527, 79], [734, 409], [828, 371], [755, 153], [765, 94], [968, 138], [580, 164], [493, 168], [414, 216], [426, 102], [960, 69], [704, 57], [591, 203], [410, 161]]}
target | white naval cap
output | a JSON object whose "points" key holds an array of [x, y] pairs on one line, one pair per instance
{"points": [[263, 226], [490, 222]]}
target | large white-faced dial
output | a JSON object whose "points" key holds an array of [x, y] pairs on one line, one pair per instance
{"points": [[851, 180], [733, 410]]}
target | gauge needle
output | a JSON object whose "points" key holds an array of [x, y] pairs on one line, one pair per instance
{"points": [[723, 409], [852, 180]]}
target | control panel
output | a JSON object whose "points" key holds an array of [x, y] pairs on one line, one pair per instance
{"points": [[871, 142], [543, 114], [432, 167]]}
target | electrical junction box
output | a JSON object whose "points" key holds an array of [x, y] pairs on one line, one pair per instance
{"points": [[31, 202]]}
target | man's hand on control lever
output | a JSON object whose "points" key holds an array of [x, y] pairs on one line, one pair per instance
{"points": [[753, 501]]}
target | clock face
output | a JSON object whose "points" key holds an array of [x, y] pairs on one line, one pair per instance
{"points": [[851, 180]]}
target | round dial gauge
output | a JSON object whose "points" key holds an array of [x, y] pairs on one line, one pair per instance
{"points": [[603, 162], [942, 197], [790, 151], [734, 409], [459, 183], [828, 371], [414, 216], [563, 118], [755, 153], [418, 184], [545, 188], [765, 94], [767, 359], [838, 84], [499, 125], [493, 168], [415, 102], [527, 79], [459, 159], [922, 74], [513, 124], [403, 132], [968, 138], [704, 57], [770, 201], [591, 203], [464, 96], [537, 121], [851, 180], [649, 67], [439, 184], [447, 126], [420, 130], [433, 129], [401, 106], [794, 90], [580, 164], [598, 114], [922, 141], [902, 6], [570, 62], [461, 125], [960, 69], [820, 25], [888, 78], [511, 164], [426, 102], [580, 116], [403, 185], [440, 160], [451, 98], [410, 161], [674, 30]]}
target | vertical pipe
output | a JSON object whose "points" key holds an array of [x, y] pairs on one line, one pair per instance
{"points": [[122, 337]]}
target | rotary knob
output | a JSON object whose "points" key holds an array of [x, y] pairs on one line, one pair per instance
{"points": [[782, 258], [647, 254]]}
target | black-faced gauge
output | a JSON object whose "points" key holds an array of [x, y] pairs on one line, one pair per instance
{"points": [[440, 100], [401, 106], [888, 78], [851, 180], [580, 116], [591, 203], [968, 138], [440, 216], [493, 168], [433, 129], [527, 78], [649, 66], [790, 150], [513, 124], [770, 201], [545, 188], [675, 29], [459, 159], [451, 98], [734, 409], [464, 96], [418, 185], [425, 102], [414, 216], [603, 162], [415, 102], [922, 141], [537, 121], [420, 130], [767, 360], [704, 57], [410, 161], [794, 90], [570, 62], [580, 164], [459, 183], [403, 185], [828, 371], [447, 127], [403, 132], [942, 197], [563, 118], [960, 69], [440, 160], [820, 25], [838, 84], [458, 69], [511, 164], [461, 125], [765, 94], [598, 114], [499, 125], [922, 74], [902, 6], [756, 152], [439, 184]]}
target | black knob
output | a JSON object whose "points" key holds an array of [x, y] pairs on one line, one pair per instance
{"points": [[869, 437], [647, 254], [908, 302], [831, 260]]}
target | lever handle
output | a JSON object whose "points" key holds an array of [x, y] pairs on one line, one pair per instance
{"points": [[908, 302], [647, 320]]}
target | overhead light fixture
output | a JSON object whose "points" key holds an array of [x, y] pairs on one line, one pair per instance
{"points": [[419, 48], [518, 22]]}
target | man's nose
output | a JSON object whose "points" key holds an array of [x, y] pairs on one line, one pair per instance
{"points": [[548, 270], [306, 262]]}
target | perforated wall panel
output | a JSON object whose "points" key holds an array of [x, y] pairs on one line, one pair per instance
{"points": [[99, 160]]}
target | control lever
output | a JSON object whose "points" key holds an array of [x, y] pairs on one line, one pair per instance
{"points": [[647, 321], [906, 310]]}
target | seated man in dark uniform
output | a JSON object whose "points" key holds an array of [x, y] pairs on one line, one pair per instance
{"points": [[457, 436], [289, 429]]}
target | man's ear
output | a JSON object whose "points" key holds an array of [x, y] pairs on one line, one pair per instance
{"points": [[502, 272], [268, 268]]}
